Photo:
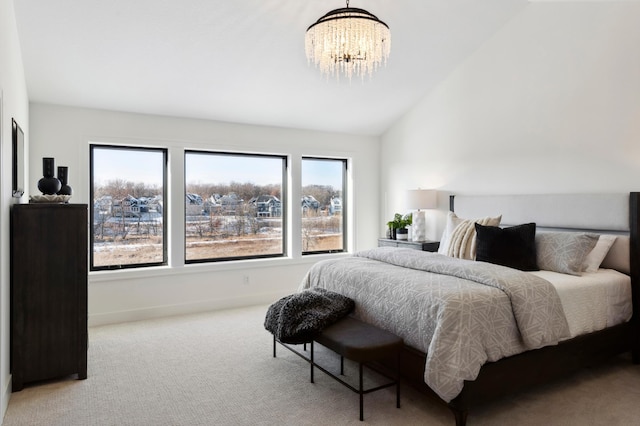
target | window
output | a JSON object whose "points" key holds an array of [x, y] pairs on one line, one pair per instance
{"points": [[323, 205], [128, 217], [234, 206]]}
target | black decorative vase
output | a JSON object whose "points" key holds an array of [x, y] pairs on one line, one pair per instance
{"points": [[48, 185], [63, 176]]}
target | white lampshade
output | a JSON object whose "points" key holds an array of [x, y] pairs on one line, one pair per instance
{"points": [[420, 199]]}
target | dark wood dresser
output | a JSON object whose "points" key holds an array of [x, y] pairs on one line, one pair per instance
{"points": [[49, 249]]}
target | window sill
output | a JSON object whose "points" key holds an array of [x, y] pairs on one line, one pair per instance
{"points": [[198, 268]]}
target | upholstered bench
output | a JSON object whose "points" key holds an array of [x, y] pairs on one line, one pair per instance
{"points": [[359, 342]]}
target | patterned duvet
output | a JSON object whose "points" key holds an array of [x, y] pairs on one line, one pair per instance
{"points": [[461, 313]]}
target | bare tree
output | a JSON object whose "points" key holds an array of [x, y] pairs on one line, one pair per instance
{"points": [[309, 232]]}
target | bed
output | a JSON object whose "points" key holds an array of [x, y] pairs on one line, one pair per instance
{"points": [[476, 331]]}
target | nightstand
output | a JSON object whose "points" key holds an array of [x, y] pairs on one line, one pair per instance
{"points": [[416, 245]]}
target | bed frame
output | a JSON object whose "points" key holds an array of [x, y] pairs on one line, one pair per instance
{"points": [[522, 371]]}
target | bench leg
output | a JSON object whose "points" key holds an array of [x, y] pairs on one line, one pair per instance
{"points": [[311, 363], [398, 381], [341, 365], [461, 417], [361, 392], [274, 345]]}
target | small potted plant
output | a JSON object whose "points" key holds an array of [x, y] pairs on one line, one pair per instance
{"points": [[398, 226]]}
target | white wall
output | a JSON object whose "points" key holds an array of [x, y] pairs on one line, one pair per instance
{"points": [[13, 104], [549, 104], [65, 133]]}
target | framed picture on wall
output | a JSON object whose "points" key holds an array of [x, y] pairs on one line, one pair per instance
{"points": [[18, 160]]}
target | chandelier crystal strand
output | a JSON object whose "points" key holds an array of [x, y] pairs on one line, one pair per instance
{"points": [[348, 41]]}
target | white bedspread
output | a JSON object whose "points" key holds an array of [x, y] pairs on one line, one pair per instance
{"points": [[593, 301]]}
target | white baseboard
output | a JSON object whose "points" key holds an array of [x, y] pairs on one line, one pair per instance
{"points": [[182, 309]]}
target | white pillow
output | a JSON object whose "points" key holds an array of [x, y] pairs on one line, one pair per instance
{"points": [[453, 221], [598, 253]]}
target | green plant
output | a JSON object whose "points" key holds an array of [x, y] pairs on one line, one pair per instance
{"points": [[400, 222]]}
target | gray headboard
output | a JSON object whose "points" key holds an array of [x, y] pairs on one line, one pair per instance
{"points": [[605, 212], [601, 213]]}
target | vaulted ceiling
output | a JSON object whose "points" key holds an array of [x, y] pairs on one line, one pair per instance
{"points": [[242, 61]]}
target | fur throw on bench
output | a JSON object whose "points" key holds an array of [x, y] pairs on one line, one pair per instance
{"points": [[299, 317]]}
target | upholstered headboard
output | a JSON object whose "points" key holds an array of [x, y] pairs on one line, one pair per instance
{"points": [[605, 212], [601, 213]]}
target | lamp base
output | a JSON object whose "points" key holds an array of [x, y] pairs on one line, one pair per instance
{"points": [[419, 226]]}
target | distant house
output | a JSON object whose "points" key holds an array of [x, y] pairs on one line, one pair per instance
{"points": [[193, 204], [155, 203], [266, 206], [309, 203], [335, 206], [143, 204], [212, 204], [128, 206], [229, 203], [103, 205], [193, 199]]}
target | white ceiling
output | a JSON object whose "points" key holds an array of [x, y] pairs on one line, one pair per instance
{"points": [[241, 61]]}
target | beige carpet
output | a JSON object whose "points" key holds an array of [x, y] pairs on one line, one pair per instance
{"points": [[217, 369]]}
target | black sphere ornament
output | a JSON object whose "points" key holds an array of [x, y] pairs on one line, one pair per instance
{"points": [[63, 176], [48, 185]]}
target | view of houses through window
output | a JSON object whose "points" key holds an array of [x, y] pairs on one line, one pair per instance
{"points": [[323, 182], [128, 215], [234, 208]]}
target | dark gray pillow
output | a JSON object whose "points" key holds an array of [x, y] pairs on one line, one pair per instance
{"points": [[564, 252], [513, 247]]}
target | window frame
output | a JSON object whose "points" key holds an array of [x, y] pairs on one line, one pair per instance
{"points": [[345, 209], [165, 218], [283, 198]]}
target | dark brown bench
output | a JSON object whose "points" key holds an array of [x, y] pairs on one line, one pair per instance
{"points": [[359, 342]]}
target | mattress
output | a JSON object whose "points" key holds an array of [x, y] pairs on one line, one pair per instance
{"points": [[593, 301]]}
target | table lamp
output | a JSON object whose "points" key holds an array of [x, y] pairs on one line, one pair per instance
{"points": [[420, 199]]}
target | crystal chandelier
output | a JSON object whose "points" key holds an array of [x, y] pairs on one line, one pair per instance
{"points": [[348, 41]]}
